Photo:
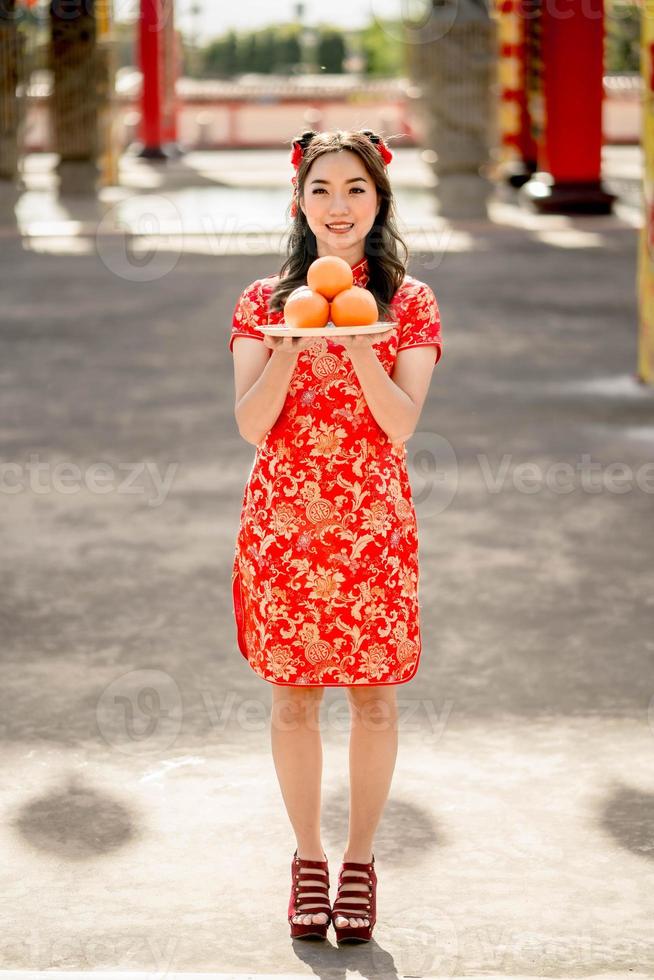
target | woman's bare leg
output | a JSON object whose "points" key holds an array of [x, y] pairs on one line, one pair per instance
{"points": [[373, 751], [297, 754]]}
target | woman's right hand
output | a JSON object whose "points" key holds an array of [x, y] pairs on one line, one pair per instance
{"points": [[288, 345]]}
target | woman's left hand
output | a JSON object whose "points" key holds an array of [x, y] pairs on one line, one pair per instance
{"points": [[359, 341]]}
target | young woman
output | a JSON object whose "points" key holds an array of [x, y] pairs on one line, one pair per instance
{"points": [[325, 575]]}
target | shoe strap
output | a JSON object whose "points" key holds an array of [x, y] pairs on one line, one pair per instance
{"points": [[352, 902], [304, 883], [357, 866], [309, 892], [306, 863]]}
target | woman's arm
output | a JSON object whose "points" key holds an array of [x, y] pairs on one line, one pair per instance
{"points": [[395, 400], [261, 381]]}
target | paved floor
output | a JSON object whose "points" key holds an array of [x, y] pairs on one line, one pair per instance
{"points": [[143, 825]]}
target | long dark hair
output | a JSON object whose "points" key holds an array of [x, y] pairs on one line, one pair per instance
{"points": [[386, 270]]}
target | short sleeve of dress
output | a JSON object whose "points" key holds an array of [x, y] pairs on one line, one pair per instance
{"points": [[421, 320], [249, 312]]}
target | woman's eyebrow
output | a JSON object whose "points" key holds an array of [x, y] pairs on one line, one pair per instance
{"points": [[350, 181]]}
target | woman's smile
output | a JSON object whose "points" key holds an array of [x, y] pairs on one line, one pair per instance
{"points": [[341, 228], [340, 200]]}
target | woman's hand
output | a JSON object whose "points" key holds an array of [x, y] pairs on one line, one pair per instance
{"points": [[288, 345], [359, 341], [293, 345]]}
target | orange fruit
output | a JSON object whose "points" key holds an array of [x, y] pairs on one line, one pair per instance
{"points": [[354, 307], [329, 275], [306, 308]]}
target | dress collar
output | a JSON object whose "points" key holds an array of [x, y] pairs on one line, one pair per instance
{"points": [[360, 272]]}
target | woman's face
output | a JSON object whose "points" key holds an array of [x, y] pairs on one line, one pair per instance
{"points": [[339, 190]]}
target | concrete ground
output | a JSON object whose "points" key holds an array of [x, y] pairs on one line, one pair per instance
{"points": [[144, 830]]}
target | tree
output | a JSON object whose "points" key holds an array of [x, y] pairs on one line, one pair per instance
{"points": [[623, 37], [265, 51], [382, 49], [331, 51], [288, 50], [221, 58]]}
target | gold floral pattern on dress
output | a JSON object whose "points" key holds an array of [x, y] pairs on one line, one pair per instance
{"points": [[325, 574]]}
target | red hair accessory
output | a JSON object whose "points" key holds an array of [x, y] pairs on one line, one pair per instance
{"points": [[298, 152], [387, 156], [296, 155]]}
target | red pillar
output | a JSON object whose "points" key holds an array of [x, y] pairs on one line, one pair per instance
{"points": [[151, 34], [517, 67], [171, 66], [525, 141], [569, 147]]}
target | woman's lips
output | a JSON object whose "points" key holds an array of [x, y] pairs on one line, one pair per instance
{"points": [[341, 230]]}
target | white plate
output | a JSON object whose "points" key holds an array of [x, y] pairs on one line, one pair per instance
{"points": [[281, 330]]}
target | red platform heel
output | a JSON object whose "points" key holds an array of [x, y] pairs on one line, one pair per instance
{"points": [[309, 895], [359, 902]]}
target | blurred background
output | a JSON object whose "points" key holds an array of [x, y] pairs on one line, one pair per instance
{"points": [[479, 98]]}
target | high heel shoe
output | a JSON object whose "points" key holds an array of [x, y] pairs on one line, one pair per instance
{"points": [[309, 896], [356, 903]]}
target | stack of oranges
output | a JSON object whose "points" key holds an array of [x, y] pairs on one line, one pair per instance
{"points": [[330, 295]]}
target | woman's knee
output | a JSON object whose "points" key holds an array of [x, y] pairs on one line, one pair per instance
{"points": [[374, 704], [296, 704]]}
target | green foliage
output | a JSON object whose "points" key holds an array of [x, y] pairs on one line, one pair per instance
{"points": [[281, 49], [330, 51], [383, 50], [287, 48], [223, 57], [272, 49], [264, 52], [622, 51]]}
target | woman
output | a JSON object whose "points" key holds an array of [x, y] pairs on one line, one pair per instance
{"points": [[325, 575]]}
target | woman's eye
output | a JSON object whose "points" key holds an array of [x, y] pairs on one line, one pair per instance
{"points": [[320, 190]]}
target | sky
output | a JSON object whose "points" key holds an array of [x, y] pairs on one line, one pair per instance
{"points": [[218, 16]]}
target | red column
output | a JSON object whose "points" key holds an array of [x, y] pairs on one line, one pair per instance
{"points": [[151, 32], [569, 148], [525, 142], [171, 63], [517, 153]]}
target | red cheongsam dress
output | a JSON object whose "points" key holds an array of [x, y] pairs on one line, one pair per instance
{"points": [[325, 574]]}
